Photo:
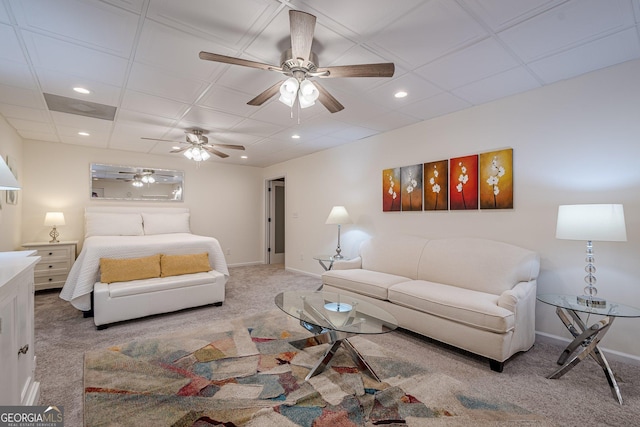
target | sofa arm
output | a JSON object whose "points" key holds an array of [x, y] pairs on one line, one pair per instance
{"points": [[512, 298], [347, 264]]}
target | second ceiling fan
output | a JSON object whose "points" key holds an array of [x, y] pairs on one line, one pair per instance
{"points": [[299, 63]]}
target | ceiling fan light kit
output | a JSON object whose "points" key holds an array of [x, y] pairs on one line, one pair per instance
{"points": [[197, 154]]}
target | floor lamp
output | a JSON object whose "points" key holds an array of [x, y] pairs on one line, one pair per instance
{"points": [[339, 216]]}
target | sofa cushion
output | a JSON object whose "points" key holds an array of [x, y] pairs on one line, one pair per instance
{"points": [[126, 269], [398, 255], [477, 309], [477, 264], [370, 283], [134, 287], [174, 265]]}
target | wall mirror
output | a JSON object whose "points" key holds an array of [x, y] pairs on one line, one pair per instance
{"points": [[114, 182]]}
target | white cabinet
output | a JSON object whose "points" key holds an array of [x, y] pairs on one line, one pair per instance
{"points": [[55, 263], [17, 351]]}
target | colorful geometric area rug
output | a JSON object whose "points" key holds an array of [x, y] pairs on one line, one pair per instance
{"points": [[243, 372]]}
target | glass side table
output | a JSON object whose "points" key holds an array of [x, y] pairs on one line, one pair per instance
{"points": [[586, 336], [326, 261]]}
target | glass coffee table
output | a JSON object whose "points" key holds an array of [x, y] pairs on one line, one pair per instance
{"points": [[586, 337], [333, 318]]}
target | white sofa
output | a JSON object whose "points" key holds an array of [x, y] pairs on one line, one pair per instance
{"points": [[475, 294], [118, 301]]}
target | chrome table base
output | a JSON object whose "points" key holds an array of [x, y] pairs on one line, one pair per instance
{"points": [[587, 338], [335, 339]]}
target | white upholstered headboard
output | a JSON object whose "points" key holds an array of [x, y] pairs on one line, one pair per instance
{"points": [[134, 209], [134, 221]]}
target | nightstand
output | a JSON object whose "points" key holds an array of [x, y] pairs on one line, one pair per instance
{"points": [[55, 263]]}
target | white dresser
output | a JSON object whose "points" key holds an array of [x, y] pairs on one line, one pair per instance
{"points": [[55, 263], [17, 351]]}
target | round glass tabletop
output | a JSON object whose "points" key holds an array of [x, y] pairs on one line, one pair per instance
{"points": [[570, 302], [333, 311]]}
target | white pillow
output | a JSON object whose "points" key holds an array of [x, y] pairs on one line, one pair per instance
{"points": [[112, 224], [161, 223]]}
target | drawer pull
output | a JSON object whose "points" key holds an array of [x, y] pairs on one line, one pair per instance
{"points": [[50, 279], [50, 253], [23, 350], [51, 266]]}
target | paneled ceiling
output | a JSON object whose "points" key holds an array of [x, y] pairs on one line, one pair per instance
{"points": [[141, 57]]}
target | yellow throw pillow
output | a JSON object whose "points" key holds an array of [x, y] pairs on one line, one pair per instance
{"points": [[174, 265], [125, 269]]}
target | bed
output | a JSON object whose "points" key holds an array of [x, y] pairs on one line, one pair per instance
{"points": [[127, 232]]}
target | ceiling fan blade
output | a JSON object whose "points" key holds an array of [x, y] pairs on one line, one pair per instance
{"points": [[231, 146], [385, 69], [302, 26], [216, 152], [237, 61], [328, 100], [164, 140], [266, 95]]}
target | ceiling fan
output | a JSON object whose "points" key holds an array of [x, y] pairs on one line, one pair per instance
{"points": [[300, 63], [197, 146]]}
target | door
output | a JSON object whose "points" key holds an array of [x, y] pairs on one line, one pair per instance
{"points": [[275, 222]]}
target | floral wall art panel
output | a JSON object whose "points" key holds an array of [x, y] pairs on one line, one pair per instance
{"points": [[411, 185], [391, 190], [496, 179], [436, 186], [463, 183]]}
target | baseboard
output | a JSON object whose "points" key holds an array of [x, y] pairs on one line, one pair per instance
{"points": [[610, 354], [245, 264]]}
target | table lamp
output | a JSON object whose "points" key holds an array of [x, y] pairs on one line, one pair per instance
{"points": [[339, 216], [54, 219], [599, 222]]}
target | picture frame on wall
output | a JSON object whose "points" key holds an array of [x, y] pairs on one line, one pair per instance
{"points": [[411, 187], [463, 183], [391, 193], [496, 179], [436, 185]]}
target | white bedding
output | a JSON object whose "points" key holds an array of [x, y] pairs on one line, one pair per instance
{"points": [[85, 271]]}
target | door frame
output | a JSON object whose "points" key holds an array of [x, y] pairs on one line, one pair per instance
{"points": [[267, 226]]}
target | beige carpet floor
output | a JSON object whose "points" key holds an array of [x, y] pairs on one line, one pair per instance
{"points": [[580, 398]]}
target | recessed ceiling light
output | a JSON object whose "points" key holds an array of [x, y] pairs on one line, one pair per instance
{"points": [[400, 94], [296, 136], [244, 157], [82, 90], [83, 133], [175, 147]]}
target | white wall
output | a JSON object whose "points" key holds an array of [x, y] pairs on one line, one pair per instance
{"points": [[576, 141], [10, 215], [225, 200]]}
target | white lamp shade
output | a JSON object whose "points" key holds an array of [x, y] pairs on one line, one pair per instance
{"points": [[308, 94], [7, 180], [54, 219], [598, 222], [338, 215], [288, 91]]}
